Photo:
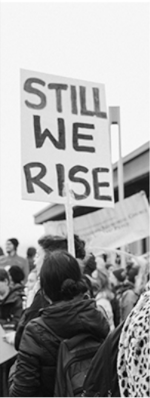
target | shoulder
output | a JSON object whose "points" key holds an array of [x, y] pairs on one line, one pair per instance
{"points": [[4, 260], [30, 340], [21, 260]]}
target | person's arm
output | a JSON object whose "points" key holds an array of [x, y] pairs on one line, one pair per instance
{"points": [[29, 314], [26, 381], [17, 311]]}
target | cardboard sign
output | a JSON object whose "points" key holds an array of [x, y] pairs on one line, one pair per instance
{"points": [[110, 228], [64, 137]]}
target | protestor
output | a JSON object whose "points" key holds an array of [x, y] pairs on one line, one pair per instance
{"points": [[1, 252], [32, 278], [133, 365], [129, 292], [16, 277], [31, 252], [10, 302], [12, 257], [46, 244], [89, 267], [101, 379], [67, 315], [121, 366], [104, 295]]}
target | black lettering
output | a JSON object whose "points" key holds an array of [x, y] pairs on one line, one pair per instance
{"points": [[74, 170], [40, 137], [58, 87], [97, 104], [28, 87], [74, 109], [60, 178], [97, 185], [30, 181], [84, 110], [77, 136]]}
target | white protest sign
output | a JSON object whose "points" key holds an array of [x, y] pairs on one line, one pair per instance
{"points": [[64, 136], [110, 228]]}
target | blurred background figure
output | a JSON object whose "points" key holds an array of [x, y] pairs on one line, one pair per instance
{"points": [[16, 277], [32, 278], [10, 302], [1, 252], [12, 257], [102, 290], [129, 290], [31, 252], [105, 295]]}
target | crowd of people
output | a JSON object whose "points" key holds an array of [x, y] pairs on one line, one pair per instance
{"points": [[50, 296]]}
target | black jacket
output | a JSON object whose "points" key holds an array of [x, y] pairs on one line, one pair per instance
{"points": [[30, 313], [11, 307], [37, 357], [102, 378]]}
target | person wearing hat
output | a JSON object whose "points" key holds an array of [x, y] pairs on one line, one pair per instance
{"points": [[12, 257]]}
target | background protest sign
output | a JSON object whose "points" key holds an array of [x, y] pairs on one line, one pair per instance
{"points": [[110, 228], [64, 137]]}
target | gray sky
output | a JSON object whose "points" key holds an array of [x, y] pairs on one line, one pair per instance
{"points": [[102, 42]]}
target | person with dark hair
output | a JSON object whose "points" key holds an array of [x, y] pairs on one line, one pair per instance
{"points": [[31, 252], [1, 252], [10, 302], [52, 243], [12, 257], [46, 244], [67, 315], [16, 275]]}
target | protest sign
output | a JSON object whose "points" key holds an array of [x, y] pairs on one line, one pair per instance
{"points": [[64, 137], [110, 228]]}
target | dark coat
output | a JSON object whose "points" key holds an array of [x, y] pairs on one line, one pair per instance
{"points": [[11, 307], [102, 378], [37, 357], [30, 313]]}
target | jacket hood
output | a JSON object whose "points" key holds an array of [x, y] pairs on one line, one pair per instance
{"points": [[69, 318]]}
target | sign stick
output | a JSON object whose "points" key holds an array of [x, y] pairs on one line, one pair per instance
{"points": [[69, 220]]}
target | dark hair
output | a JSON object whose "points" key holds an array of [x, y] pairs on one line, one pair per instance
{"points": [[59, 266], [31, 251], [79, 247], [90, 264], [3, 275], [16, 273], [15, 242], [1, 251], [51, 243]]}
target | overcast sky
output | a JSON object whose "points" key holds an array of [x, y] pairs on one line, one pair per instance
{"points": [[102, 42]]}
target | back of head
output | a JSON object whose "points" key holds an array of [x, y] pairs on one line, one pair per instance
{"points": [[59, 267], [55, 242], [31, 252], [89, 264], [52, 243], [119, 274], [16, 274]]}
